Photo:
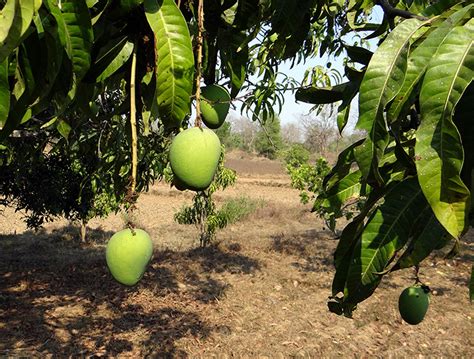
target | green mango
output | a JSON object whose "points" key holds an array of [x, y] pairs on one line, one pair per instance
{"points": [[413, 304], [128, 255], [194, 156], [215, 105]]}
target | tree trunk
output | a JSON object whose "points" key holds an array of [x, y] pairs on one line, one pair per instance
{"points": [[83, 230]]}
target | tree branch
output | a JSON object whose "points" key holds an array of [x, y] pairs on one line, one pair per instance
{"points": [[200, 16], [392, 12]]}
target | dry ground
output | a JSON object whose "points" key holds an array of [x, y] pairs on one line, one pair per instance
{"points": [[259, 292]]}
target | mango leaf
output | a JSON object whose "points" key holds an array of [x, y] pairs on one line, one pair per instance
{"points": [[75, 34], [174, 66], [347, 188], [439, 7], [24, 10], [420, 58], [22, 91], [234, 52], [322, 95], [118, 61], [358, 54], [348, 240], [63, 128], [386, 232], [343, 165], [128, 5], [463, 116], [379, 86], [7, 15], [430, 235], [343, 118], [50, 64], [4, 93], [438, 148]]}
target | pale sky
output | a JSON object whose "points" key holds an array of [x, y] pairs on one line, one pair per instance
{"points": [[292, 110]]}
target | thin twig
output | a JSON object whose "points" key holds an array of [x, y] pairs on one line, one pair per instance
{"points": [[199, 41], [133, 120], [392, 12]]}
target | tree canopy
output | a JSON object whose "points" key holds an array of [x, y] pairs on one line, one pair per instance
{"points": [[73, 71]]}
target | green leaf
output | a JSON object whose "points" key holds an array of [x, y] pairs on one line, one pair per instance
{"points": [[463, 116], [7, 16], [420, 58], [348, 240], [322, 95], [379, 86], [50, 65], [439, 7], [128, 5], [118, 61], [430, 235], [63, 128], [75, 34], [347, 188], [386, 232], [174, 61], [24, 10], [438, 147], [4, 93], [358, 54], [343, 165], [234, 52], [343, 118]]}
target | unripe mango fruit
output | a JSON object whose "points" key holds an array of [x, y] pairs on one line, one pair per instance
{"points": [[214, 105], [413, 304], [194, 156], [128, 255]]}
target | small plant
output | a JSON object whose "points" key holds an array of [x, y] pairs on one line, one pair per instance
{"points": [[236, 209], [203, 213], [310, 180], [306, 177]]}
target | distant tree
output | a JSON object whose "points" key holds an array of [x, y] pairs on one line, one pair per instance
{"points": [[319, 130], [269, 140], [246, 131], [229, 138], [292, 133]]}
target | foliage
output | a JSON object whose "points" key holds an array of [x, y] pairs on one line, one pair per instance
{"points": [[307, 178], [269, 141], [295, 155], [239, 208], [415, 96], [81, 177], [203, 212], [229, 139], [414, 166]]}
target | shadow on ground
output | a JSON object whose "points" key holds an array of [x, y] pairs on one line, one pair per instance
{"points": [[57, 297], [315, 247]]}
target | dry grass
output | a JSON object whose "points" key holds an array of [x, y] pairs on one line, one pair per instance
{"points": [[260, 291]]}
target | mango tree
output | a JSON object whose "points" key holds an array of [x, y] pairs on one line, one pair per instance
{"points": [[62, 61]]}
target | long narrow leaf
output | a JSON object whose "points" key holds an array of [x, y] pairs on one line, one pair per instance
{"points": [[24, 10], [75, 33], [174, 61], [385, 233], [420, 58], [4, 93], [438, 147], [379, 86]]}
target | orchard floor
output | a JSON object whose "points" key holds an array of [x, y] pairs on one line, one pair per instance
{"points": [[260, 291]]}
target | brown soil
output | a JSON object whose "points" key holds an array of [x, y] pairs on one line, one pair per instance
{"points": [[261, 291]]}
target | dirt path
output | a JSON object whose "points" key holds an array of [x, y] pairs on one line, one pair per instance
{"points": [[261, 291]]}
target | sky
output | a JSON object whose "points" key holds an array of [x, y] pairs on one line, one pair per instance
{"points": [[292, 110]]}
